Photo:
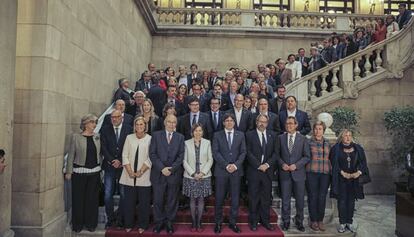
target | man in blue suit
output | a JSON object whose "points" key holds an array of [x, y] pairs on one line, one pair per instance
{"points": [[304, 126], [293, 153], [166, 155], [229, 152], [112, 143]]}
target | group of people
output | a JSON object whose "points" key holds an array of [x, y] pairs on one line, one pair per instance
{"points": [[164, 143], [197, 134]]}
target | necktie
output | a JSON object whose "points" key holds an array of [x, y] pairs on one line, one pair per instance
{"points": [[117, 134], [263, 146], [169, 137], [136, 164], [215, 120], [194, 120], [229, 139], [290, 145]]}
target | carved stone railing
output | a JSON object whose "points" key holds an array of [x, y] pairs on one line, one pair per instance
{"points": [[260, 19], [387, 59]]}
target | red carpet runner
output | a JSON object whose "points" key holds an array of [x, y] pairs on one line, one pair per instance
{"points": [[183, 220]]}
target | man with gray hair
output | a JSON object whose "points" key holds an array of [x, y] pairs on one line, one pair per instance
{"points": [[126, 118]]}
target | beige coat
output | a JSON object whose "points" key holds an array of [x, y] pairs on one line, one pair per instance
{"points": [[77, 151], [128, 157], [206, 158]]}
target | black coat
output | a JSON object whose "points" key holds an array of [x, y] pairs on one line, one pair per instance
{"points": [[184, 125], [245, 120], [111, 149]]}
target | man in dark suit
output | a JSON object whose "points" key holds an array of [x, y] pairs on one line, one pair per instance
{"points": [[112, 142], [304, 126], [243, 116], [231, 95], [261, 157], [144, 84], [194, 76], [171, 98], [304, 61], [273, 123], [293, 153], [123, 92], [201, 98], [216, 115], [217, 93], [157, 95], [278, 103], [404, 15], [229, 152], [166, 155], [213, 78], [126, 118], [187, 121]]}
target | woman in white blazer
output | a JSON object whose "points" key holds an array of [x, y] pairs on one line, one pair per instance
{"points": [[135, 176], [197, 164]]}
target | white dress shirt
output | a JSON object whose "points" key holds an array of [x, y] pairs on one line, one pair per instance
{"points": [[293, 113], [238, 115], [296, 68]]}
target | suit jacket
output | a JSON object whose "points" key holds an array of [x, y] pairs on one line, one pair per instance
{"points": [[316, 63], [284, 77], [300, 156], [245, 120], [140, 85], [404, 19], [219, 127], [206, 158], [164, 155], [184, 125], [305, 70], [127, 120], [203, 101], [255, 152], [226, 96], [274, 106], [273, 123], [77, 151], [224, 156], [179, 106], [211, 81], [112, 149], [328, 54], [157, 95], [304, 126]]}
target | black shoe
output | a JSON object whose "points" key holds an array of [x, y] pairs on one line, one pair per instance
{"points": [[170, 228], [268, 226], [91, 229], [77, 230], [253, 226], [300, 226], [157, 228], [234, 228], [285, 226], [108, 225], [217, 229]]}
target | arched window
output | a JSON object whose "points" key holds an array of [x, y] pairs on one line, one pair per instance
{"points": [[337, 6], [271, 5], [391, 6], [204, 3]]}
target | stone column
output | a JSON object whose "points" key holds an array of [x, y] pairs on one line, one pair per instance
{"points": [[8, 16]]}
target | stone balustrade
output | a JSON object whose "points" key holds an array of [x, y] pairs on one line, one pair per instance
{"points": [[260, 19]]}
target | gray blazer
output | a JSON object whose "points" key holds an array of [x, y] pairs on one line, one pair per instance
{"points": [[77, 151], [300, 156], [206, 158]]}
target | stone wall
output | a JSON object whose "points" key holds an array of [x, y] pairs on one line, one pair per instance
{"points": [[70, 54], [8, 17], [223, 52], [371, 105]]}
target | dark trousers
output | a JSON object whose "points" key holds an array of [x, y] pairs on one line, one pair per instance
{"points": [[223, 185], [298, 188], [132, 195], [346, 200], [260, 194], [85, 200], [168, 213], [317, 185], [111, 181]]}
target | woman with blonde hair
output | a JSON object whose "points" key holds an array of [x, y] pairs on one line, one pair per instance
{"points": [[135, 176], [349, 174], [151, 119], [83, 168]]}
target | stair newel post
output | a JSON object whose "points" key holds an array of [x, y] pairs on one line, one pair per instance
{"points": [[357, 71], [313, 88]]}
